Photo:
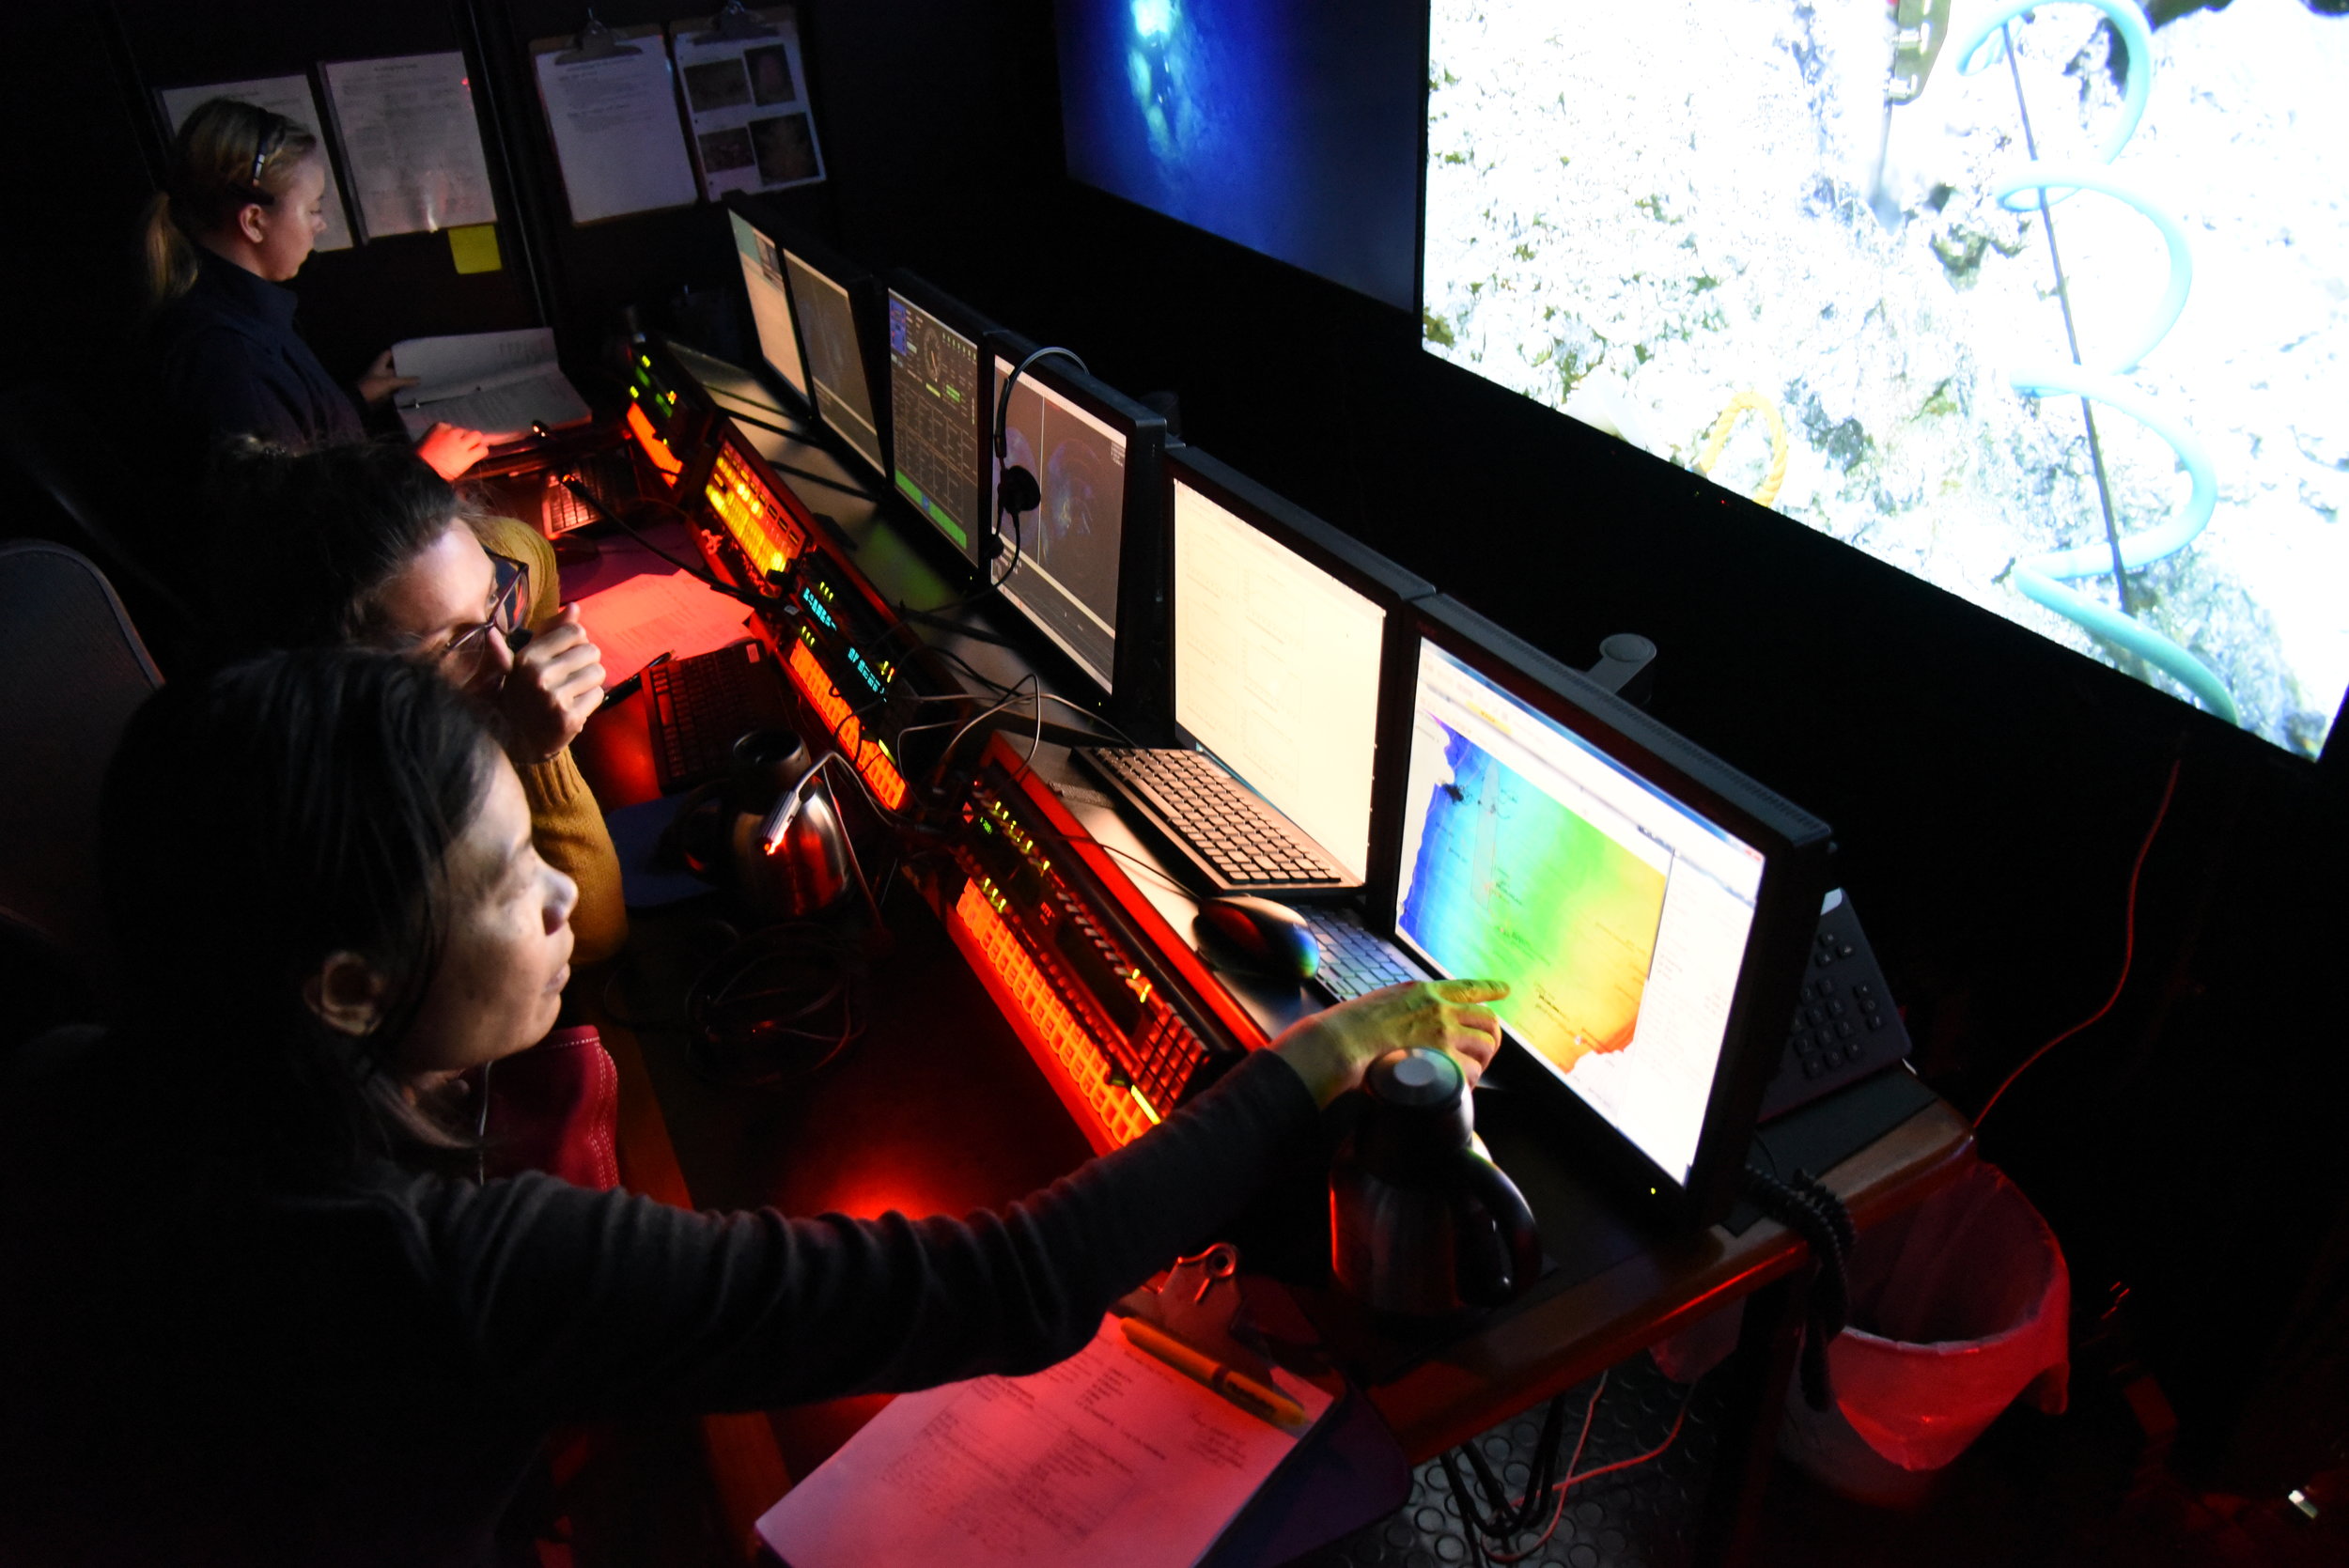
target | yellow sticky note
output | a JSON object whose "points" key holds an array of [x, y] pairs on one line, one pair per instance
{"points": [[475, 248]]}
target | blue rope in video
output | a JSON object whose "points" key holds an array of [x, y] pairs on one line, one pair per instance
{"points": [[2043, 578]]}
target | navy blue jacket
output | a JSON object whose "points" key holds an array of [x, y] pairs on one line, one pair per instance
{"points": [[227, 361]]}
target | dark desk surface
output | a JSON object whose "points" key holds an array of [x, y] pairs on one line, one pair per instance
{"points": [[939, 1108]]}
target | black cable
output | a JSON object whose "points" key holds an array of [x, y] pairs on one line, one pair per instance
{"points": [[1810, 1210], [819, 983]]}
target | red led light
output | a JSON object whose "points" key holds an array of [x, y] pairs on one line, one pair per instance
{"points": [[640, 425]]}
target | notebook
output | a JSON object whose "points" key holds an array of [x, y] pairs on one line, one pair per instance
{"points": [[498, 384]]}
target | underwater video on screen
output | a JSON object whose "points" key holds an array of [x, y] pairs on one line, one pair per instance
{"points": [[1291, 127], [2047, 305]]}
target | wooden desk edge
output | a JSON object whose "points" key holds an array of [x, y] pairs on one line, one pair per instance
{"points": [[1558, 1342]]}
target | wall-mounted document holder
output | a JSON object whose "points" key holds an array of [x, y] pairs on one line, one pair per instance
{"points": [[610, 108], [746, 100]]}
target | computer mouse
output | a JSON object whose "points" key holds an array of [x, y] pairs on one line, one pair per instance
{"points": [[1256, 936]]}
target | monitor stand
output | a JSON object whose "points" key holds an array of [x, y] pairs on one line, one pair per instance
{"points": [[1626, 667]]}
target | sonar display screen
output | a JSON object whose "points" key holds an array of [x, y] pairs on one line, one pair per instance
{"points": [[2046, 305], [1066, 579], [935, 418], [1618, 916]]}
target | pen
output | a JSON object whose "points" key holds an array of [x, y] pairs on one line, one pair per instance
{"points": [[627, 688], [439, 398], [1266, 1404]]}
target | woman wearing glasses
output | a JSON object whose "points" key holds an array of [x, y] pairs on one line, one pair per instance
{"points": [[237, 219], [362, 543]]}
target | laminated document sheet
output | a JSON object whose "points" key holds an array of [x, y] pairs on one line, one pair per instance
{"points": [[746, 100], [290, 96], [411, 143], [1111, 1457], [612, 109], [498, 384]]}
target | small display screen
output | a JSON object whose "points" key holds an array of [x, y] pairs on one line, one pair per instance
{"points": [[1275, 672], [771, 305], [835, 362], [1618, 915], [935, 418], [1065, 575]]}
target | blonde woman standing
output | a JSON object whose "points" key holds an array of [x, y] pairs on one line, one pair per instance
{"points": [[239, 213]]}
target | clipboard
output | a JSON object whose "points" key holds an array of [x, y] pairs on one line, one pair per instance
{"points": [[1110, 1457], [744, 85], [609, 97]]}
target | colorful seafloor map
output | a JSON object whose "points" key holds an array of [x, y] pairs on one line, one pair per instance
{"points": [[1511, 885]]}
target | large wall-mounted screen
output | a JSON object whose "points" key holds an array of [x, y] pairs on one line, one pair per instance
{"points": [[1290, 126], [2047, 306]]}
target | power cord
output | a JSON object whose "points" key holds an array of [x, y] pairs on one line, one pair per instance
{"points": [[757, 1014], [2128, 950], [1805, 1206]]}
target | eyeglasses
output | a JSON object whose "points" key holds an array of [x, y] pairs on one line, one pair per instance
{"points": [[467, 654]]}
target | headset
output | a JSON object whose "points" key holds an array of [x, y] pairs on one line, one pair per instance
{"points": [[1017, 490]]}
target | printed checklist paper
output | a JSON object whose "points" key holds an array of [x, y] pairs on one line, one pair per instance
{"points": [[1111, 1456]]}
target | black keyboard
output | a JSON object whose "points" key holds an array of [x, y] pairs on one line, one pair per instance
{"points": [[1231, 839], [700, 707], [1352, 960], [608, 476], [1845, 1027]]}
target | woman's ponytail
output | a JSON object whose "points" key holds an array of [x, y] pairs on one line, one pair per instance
{"points": [[167, 259]]}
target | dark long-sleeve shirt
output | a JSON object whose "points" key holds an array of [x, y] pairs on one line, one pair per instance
{"points": [[361, 1374], [227, 361]]}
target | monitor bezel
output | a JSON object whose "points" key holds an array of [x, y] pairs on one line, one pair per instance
{"points": [[864, 290], [1360, 567], [959, 317], [865, 308], [1794, 845], [756, 213], [1136, 698]]}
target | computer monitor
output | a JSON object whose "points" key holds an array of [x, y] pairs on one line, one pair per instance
{"points": [[1088, 564], [1651, 908], [824, 298], [1281, 640], [2128, 444], [939, 411], [770, 302], [1292, 127]]}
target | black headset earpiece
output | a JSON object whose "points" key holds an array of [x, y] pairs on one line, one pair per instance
{"points": [[1016, 493]]}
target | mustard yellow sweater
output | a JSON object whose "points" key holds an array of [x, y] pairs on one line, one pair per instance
{"points": [[566, 823]]}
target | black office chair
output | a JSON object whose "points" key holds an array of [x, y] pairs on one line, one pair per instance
{"points": [[72, 669], [94, 485]]}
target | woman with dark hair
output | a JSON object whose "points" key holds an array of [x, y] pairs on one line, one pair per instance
{"points": [[361, 542], [246, 1315], [239, 210]]}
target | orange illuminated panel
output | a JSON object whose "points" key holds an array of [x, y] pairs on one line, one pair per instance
{"points": [[766, 535], [1110, 1114], [870, 756], [668, 463]]}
